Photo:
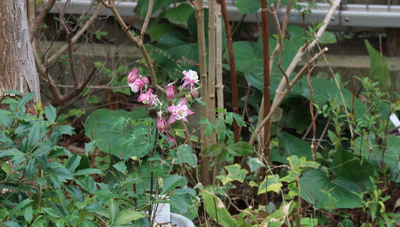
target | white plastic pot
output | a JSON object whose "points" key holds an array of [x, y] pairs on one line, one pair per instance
{"points": [[181, 221]]}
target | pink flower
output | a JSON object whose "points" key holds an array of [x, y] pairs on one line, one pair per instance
{"points": [[132, 75], [136, 81], [162, 124], [170, 91], [179, 112], [138, 84], [148, 98], [190, 79]]}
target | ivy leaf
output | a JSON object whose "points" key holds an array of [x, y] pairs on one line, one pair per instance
{"points": [[270, 183], [235, 173]]}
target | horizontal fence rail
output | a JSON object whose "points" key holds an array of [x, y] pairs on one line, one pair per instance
{"points": [[352, 13]]}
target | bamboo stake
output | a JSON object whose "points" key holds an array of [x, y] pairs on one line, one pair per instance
{"points": [[204, 141]]}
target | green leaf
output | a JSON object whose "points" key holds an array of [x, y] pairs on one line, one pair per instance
{"points": [[240, 149], [28, 213], [75, 192], [277, 218], [217, 210], [120, 166], [21, 205], [172, 182], [247, 7], [142, 6], [270, 183], [100, 126], [317, 189], [50, 113], [87, 171], [64, 129], [254, 164], [11, 224], [379, 67], [327, 38], [73, 162], [179, 15], [25, 100], [235, 173], [37, 132], [184, 154], [350, 172], [158, 30], [178, 47], [113, 210], [124, 217]]}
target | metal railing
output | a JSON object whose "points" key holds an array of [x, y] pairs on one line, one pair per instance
{"points": [[351, 12]]}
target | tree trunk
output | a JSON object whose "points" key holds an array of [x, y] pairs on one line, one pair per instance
{"points": [[17, 64]]}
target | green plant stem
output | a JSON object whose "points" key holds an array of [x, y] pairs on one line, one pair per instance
{"points": [[234, 86]]}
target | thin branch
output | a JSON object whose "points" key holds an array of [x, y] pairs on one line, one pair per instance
{"points": [[146, 20], [335, 4], [276, 103], [138, 43], [57, 55]]}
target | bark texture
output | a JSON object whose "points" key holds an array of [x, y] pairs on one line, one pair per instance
{"points": [[17, 64]]}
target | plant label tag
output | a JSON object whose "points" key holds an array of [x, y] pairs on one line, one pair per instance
{"points": [[163, 212], [395, 120]]}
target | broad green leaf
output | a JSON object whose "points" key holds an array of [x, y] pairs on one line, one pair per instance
{"points": [[217, 210], [270, 183], [316, 188], [326, 90], [99, 126], [178, 47], [240, 149], [291, 145], [351, 172], [179, 15], [379, 67], [50, 113], [142, 6], [127, 216], [158, 30], [247, 7]]}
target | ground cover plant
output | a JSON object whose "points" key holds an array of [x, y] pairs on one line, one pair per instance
{"points": [[290, 149]]}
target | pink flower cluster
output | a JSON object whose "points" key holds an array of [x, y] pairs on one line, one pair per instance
{"points": [[139, 83]]}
